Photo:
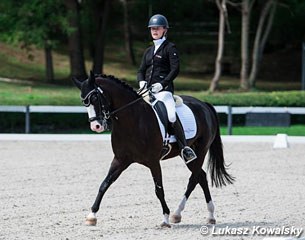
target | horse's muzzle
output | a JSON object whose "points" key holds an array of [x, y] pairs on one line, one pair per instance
{"points": [[97, 127]]}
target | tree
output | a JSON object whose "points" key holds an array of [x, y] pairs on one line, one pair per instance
{"points": [[127, 34], [223, 16], [99, 10], [218, 62], [262, 33], [76, 53], [246, 7], [35, 22]]}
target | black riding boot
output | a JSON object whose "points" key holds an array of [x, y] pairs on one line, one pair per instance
{"points": [[187, 153]]}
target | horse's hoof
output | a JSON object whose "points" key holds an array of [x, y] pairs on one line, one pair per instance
{"points": [[165, 225], [175, 218], [211, 221], [91, 221]]}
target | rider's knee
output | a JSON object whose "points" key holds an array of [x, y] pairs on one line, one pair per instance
{"points": [[172, 118]]}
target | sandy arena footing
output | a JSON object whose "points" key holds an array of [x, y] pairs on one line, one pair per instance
{"points": [[48, 186]]}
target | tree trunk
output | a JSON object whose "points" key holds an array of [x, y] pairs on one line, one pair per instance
{"points": [[261, 38], [101, 14], [221, 34], [77, 60], [268, 28], [127, 34], [246, 12], [49, 63]]}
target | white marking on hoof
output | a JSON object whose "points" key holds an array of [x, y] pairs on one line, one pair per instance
{"points": [[211, 209], [175, 218], [91, 219], [165, 225]]}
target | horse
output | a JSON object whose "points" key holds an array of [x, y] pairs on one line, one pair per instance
{"points": [[135, 137]]}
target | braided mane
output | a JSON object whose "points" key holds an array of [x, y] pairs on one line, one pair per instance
{"points": [[118, 81]]}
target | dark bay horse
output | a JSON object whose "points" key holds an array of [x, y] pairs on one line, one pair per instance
{"points": [[136, 138]]}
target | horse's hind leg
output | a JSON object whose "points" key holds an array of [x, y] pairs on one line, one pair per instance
{"points": [[194, 167], [157, 177], [193, 181], [210, 205]]}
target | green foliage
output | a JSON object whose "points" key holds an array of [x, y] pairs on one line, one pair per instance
{"points": [[289, 25], [38, 94], [32, 22], [283, 98], [294, 130], [32, 94]]}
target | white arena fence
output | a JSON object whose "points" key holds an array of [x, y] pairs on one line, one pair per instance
{"points": [[228, 110]]}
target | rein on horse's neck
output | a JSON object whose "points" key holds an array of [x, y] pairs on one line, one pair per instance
{"points": [[118, 90]]}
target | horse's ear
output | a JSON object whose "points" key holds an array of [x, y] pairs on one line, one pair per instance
{"points": [[77, 83], [91, 79]]}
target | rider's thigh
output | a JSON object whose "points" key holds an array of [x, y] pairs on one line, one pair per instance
{"points": [[167, 98]]}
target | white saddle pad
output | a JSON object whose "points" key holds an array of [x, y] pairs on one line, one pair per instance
{"points": [[188, 121]]}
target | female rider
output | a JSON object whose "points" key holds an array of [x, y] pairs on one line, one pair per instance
{"points": [[158, 69]]}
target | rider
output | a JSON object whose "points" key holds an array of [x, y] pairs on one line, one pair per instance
{"points": [[158, 69]]}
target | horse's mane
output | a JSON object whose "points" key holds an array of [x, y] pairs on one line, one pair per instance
{"points": [[123, 84]]}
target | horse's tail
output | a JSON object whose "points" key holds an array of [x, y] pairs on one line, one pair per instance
{"points": [[216, 165]]}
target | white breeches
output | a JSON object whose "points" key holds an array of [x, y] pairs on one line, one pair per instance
{"points": [[168, 99]]}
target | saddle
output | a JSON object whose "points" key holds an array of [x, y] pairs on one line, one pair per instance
{"points": [[183, 113]]}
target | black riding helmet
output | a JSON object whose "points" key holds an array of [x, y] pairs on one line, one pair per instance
{"points": [[158, 20]]}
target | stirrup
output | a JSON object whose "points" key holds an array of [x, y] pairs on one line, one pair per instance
{"points": [[189, 158]]}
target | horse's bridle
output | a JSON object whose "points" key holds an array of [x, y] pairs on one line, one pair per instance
{"points": [[105, 106]]}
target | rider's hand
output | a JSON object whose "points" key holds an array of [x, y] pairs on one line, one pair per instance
{"points": [[142, 84], [156, 87]]}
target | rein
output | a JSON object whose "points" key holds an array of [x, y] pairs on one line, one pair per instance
{"points": [[129, 104]]}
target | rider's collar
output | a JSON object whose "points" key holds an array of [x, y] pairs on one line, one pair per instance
{"points": [[158, 42]]}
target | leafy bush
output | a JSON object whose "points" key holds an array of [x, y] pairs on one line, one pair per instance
{"points": [[276, 99]]}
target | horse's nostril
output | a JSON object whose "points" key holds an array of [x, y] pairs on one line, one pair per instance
{"points": [[97, 126]]}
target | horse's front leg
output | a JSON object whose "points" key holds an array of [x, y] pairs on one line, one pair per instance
{"points": [[157, 177], [116, 168]]}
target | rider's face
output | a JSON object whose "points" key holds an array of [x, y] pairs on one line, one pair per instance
{"points": [[157, 32]]}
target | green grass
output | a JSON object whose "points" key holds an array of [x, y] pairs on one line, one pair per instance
{"points": [[38, 94], [293, 130], [44, 94]]}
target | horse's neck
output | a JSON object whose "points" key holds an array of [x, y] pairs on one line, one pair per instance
{"points": [[120, 96], [135, 120]]}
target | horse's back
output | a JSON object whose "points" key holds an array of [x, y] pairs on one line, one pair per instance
{"points": [[195, 103], [205, 114]]}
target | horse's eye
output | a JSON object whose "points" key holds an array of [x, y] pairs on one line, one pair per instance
{"points": [[93, 98], [86, 102]]}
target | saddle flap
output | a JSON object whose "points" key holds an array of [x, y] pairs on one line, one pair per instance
{"points": [[187, 120]]}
